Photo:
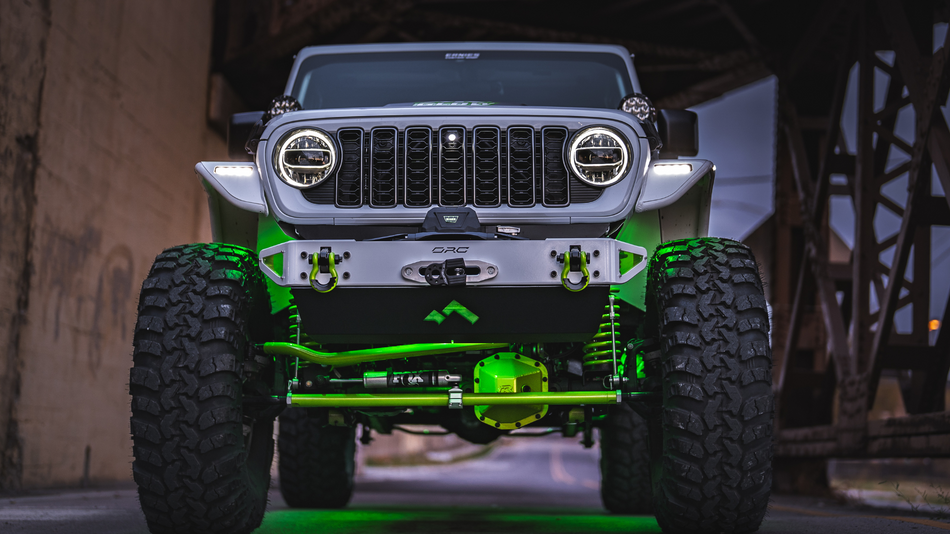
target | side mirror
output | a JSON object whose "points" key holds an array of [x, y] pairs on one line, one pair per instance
{"points": [[679, 132], [240, 126]]}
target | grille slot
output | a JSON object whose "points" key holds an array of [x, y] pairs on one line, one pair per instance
{"points": [[349, 179], [452, 166], [382, 170], [521, 167], [418, 167], [555, 191], [486, 154], [485, 167]]}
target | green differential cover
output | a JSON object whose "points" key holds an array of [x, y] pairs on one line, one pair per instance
{"points": [[509, 372]]}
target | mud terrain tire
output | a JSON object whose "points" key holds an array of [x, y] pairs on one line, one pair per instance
{"points": [[201, 464], [316, 462], [712, 472], [625, 463]]}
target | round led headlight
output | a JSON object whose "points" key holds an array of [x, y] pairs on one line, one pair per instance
{"points": [[598, 156], [305, 158]]}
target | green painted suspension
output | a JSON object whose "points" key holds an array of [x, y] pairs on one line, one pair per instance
{"points": [[599, 350], [353, 357], [408, 400]]}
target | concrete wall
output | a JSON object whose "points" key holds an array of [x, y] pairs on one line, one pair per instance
{"points": [[115, 99], [24, 27]]}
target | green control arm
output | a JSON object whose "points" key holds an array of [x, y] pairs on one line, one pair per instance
{"points": [[353, 357]]}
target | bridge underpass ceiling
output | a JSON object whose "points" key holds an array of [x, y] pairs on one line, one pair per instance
{"points": [[687, 51]]}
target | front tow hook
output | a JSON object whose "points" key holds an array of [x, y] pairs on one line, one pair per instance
{"points": [[325, 263], [575, 261]]}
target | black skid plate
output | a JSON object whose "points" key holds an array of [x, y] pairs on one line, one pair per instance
{"points": [[447, 314]]}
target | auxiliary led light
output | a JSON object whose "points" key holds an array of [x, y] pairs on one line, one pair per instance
{"points": [[934, 324], [672, 169], [639, 106], [243, 171], [280, 105], [452, 138]]}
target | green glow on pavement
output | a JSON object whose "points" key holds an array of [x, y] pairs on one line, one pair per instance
{"points": [[458, 520]]}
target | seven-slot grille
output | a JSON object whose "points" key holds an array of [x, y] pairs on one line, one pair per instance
{"points": [[485, 167]]}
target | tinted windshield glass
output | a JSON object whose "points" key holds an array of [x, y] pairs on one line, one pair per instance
{"points": [[566, 79]]}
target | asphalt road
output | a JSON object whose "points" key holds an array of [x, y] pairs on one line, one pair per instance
{"points": [[534, 485]]}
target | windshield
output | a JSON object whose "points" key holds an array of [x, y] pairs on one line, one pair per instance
{"points": [[563, 79]]}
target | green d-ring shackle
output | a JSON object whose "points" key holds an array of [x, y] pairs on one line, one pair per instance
{"points": [[585, 274], [318, 286]]}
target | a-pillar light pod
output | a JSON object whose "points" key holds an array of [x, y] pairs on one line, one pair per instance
{"points": [[639, 106], [280, 105]]}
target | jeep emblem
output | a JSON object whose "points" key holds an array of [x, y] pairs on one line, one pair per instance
{"points": [[450, 219]]}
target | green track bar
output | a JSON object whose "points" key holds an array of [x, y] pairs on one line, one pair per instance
{"points": [[353, 357], [409, 400]]}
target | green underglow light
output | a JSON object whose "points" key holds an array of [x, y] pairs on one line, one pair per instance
{"points": [[424, 520]]}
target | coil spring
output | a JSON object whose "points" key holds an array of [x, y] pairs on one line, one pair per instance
{"points": [[599, 350], [293, 327], [293, 324]]}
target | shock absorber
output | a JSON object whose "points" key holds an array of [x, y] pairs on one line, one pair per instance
{"points": [[600, 350], [296, 335]]}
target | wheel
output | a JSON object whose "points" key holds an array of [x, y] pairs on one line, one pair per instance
{"points": [[625, 463], [316, 462], [201, 463], [713, 470]]}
